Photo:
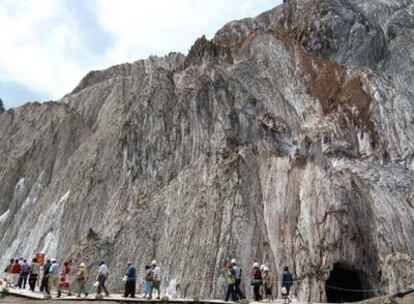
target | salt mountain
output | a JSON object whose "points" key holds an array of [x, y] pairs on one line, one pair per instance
{"points": [[287, 139]]}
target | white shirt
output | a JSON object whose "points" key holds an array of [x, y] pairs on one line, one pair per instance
{"points": [[157, 273], [103, 269]]}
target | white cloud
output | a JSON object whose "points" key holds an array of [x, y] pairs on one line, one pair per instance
{"points": [[146, 27], [35, 46], [49, 45]]}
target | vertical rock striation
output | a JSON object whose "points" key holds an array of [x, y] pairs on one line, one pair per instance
{"points": [[286, 139]]}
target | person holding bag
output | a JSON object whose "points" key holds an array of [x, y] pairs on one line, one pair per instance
{"points": [[257, 281], [82, 278]]}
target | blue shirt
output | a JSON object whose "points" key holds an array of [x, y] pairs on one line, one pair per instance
{"points": [[54, 269], [287, 279], [131, 273], [25, 267], [237, 272]]}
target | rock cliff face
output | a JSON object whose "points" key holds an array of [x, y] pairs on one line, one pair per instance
{"points": [[287, 139]]}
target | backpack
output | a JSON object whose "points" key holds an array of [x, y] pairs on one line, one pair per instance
{"points": [[149, 276]]}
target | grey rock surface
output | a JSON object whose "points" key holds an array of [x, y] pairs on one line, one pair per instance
{"points": [[287, 139]]}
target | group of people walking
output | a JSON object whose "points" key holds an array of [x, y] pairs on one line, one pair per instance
{"points": [[152, 280], [18, 272], [22, 272], [262, 282]]}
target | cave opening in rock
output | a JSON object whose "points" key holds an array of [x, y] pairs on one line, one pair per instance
{"points": [[346, 285]]}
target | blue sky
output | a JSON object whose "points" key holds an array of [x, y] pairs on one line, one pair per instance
{"points": [[47, 46]]}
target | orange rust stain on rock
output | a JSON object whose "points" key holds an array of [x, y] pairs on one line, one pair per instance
{"points": [[338, 89]]}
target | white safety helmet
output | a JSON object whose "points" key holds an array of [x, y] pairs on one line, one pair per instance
{"points": [[233, 261], [255, 265], [82, 265], [262, 267], [266, 269], [154, 263]]}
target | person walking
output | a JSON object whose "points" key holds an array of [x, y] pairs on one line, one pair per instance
{"points": [[237, 274], [54, 278], [231, 282], [34, 272], [156, 284], [81, 279], [24, 274], [44, 285], [149, 278], [15, 271], [257, 281], [130, 281], [269, 281], [8, 273], [287, 282], [103, 273], [65, 277]]}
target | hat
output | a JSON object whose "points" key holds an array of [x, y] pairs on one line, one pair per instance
{"points": [[255, 265], [262, 267], [233, 261], [266, 269], [82, 265], [154, 262]]}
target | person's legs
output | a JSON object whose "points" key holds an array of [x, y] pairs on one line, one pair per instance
{"points": [[159, 289], [25, 280], [268, 293], [238, 290], [256, 290], [58, 287], [99, 289], [126, 291], [69, 287], [133, 284], [78, 294], [47, 286], [151, 290], [104, 287], [42, 284], [15, 279], [20, 281], [31, 285], [228, 293], [34, 282], [54, 284], [233, 293]]}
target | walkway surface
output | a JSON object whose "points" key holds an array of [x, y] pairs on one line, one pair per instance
{"points": [[112, 298]]}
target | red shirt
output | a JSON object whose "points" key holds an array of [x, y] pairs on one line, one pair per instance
{"points": [[16, 268], [257, 274], [67, 270]]}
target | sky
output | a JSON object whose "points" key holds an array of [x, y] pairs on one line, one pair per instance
{"points": [[47, 46]]}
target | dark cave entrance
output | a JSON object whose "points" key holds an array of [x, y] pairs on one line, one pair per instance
{"points": [[346, 285]]}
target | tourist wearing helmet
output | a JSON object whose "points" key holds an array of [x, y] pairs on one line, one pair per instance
{"points": [[256, 281], [237, 274]]}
